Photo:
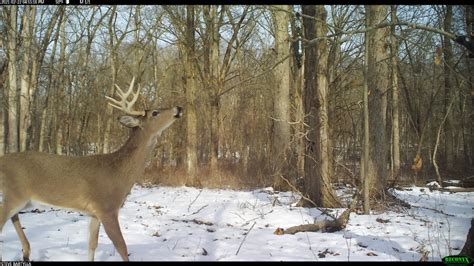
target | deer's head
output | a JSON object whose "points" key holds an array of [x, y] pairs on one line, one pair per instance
{"points": [[152, 121]]}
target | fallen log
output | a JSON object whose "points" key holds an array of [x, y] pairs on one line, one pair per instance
{"points": [[323, 226]]}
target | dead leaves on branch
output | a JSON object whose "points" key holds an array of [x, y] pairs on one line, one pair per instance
{"points": [[417, 163]]}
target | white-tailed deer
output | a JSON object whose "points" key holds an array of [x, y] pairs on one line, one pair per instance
{"points": [[96, 185]]}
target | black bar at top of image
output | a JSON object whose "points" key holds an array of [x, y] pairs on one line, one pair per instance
{"points": [[99, 2], [128, 2]]}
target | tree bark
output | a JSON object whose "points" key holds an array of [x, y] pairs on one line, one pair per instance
{"points": [[28, 22], [377, 82], [281, 102], [468, 248], [318, 167], [395, 102], [213, 35], [191, 119], [364, 165], [61, 117], [448, 87], [12, 86], [113, 67], [3, 109]]}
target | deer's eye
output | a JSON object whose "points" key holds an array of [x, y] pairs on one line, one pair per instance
{"points": [[155, 113]]}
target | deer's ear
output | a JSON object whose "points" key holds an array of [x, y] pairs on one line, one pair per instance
{"points": [[129, 121]]}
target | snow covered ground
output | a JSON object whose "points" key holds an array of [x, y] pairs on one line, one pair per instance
{"points": [[174, 224]]}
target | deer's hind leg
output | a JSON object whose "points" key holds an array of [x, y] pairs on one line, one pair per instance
{"points": [[9, 209], [21, 234]]}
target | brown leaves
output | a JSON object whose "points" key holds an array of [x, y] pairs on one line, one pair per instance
{"points": [[437, 56], [417, 163]]}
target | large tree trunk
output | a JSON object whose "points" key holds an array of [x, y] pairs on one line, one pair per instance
{"points": [[113, 67], [191, 120], [25, 76], [318, 167], [298, 141], [469, 140], [468, 248], [213, 35], [3, 110], [61, 116], [448, 86], [395, 92], [12, 86], [364, 165], [281, 103], [377, 82]]}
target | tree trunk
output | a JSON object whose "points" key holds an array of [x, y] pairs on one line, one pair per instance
{"points": [[364, 165], [318, 167], [111, 90], [213, 32], [3, 109], [61, 118], [377, 82], [469, 140], [448, 70], [297, 91], [45, 120], [2, 125], [25, 76], [468, 248], [191, 119], [281, 127], [12, 86], [395, 92]]}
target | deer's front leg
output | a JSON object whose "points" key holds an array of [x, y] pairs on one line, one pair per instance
{"points": [[93, 236], [112, 228]]}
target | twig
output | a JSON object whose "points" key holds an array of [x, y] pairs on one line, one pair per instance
{"points": [[196, 212], [435, 164], [245, 237], [435, 210], [192, 202]]}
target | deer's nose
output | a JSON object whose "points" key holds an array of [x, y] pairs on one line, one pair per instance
{"points": [[179, 111]]}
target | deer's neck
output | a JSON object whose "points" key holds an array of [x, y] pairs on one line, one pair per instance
{"points": [[132, 156]]}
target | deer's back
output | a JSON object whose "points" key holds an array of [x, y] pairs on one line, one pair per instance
{"points": [[52, 179]]}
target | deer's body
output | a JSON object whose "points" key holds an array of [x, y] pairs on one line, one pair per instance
{"points": [[100, 177], [96, 185]]}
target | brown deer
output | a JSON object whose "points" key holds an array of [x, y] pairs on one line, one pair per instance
{"points": [[96, 185]]}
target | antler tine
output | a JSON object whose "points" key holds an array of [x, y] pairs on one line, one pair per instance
{"points": [[123, 104], [135, 95]]}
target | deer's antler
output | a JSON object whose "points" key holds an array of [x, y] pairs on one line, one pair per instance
{"points": [[123, 104]]}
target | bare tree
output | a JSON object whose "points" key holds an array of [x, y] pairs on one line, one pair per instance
{"points": [[28, 22], [10, 14], [448, 87], [191, 120], [281, 102], [395, 91], [377, 81], [318, 167]]}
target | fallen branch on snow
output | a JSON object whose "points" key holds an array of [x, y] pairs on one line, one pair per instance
{"points": [[326, 225]]}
